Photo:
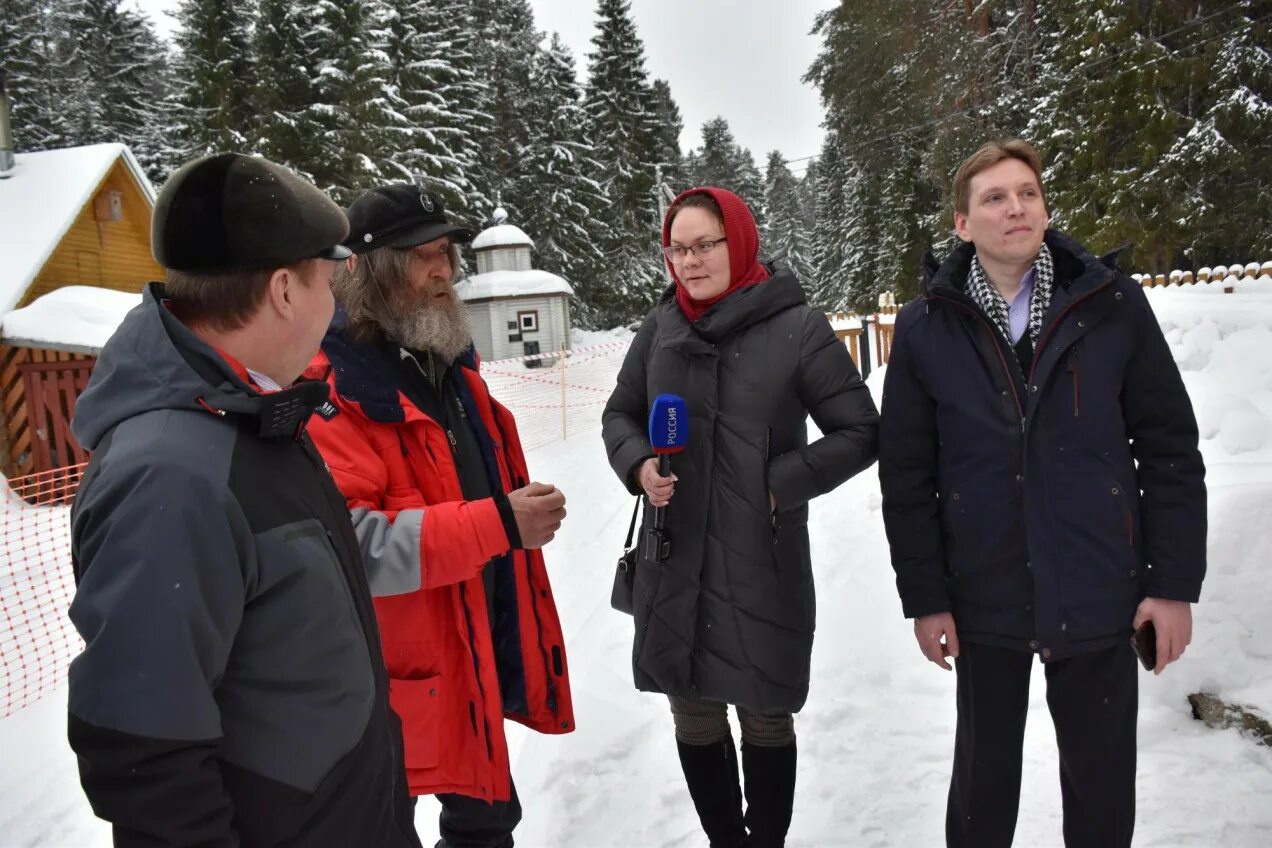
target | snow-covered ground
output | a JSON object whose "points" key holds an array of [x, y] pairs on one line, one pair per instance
{"points": [[876, 737]]}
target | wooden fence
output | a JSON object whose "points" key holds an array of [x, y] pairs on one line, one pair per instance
{"points": [[852, 335], [38, 390], [1229, 275]]}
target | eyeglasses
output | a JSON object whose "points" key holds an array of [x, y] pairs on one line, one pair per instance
{"points": [[702, 250]]}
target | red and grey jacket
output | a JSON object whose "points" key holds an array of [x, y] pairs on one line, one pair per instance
{"points": [[455, 670]]}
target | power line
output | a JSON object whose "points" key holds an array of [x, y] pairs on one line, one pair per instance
{"points": [[934, 122], [1060, 92]]}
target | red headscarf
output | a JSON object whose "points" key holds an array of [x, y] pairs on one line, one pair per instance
{"points": [[741, 238]]}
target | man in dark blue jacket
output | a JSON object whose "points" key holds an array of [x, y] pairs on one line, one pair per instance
{"points": [[1043, 494]]}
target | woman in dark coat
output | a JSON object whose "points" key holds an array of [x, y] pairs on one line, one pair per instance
{"points": [[727, 617]]}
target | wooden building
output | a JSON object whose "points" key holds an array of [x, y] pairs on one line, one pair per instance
{"points": [[77, 216], [516, 310]]}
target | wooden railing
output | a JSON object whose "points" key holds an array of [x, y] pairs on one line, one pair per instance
{"points": [[21, 445], [1229, 275], [852, 334]]}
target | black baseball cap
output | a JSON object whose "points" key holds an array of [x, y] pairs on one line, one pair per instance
{"points": [[232, 212], [400, 215]]}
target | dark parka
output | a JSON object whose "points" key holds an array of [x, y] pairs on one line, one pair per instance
{"points": [[1042, 507], [729, 616]]}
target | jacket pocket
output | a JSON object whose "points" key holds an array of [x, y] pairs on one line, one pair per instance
{"points": [[418, 703]]}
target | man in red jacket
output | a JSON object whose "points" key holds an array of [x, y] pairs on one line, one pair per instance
{"points": [[434, 474]]}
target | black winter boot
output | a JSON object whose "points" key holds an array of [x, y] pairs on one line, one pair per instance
{"points": [[712, 774], [770, 793]]}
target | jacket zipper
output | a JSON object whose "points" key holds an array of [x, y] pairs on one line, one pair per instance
{"points": [[1038, 352], [553, 703], [463, 592], [450, 435], [768, 452]]}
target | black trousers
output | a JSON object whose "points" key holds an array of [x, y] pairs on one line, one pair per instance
{"points": [[471, 823], [1093, 699]]}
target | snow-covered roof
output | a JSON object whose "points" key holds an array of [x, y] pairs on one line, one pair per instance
{"points": [[76, 318], [503, 235], [495, 284], [40, 201]]}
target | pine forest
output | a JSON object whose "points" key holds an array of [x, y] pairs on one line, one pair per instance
{"points": [[1154, 119]]}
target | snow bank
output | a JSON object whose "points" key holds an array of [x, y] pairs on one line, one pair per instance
{"points": [[877, 735], [78, 318], [39, 203], [511, 284], [502, 235], [1223, 345]]}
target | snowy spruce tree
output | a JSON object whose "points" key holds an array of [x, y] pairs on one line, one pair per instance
{"points": [[722, 162], [213, 70], [25, 34], [1222, 165], [881, 79], [286, 129], [808, 194], [619, 120], [86, 72], [432, 87], [830, 247], [137, 83], [1109, 100], [352, 104], [667, 125], [566, 210], [784, 236], [504, 49]]}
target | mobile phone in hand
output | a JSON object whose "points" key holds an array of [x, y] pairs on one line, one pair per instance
{"points": [[1144, 643]]}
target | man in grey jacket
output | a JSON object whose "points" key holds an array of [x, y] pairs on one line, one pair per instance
{"points": [[231, 690]]}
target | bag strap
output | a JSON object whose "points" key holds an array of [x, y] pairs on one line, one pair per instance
{"points": [[631, 529]]}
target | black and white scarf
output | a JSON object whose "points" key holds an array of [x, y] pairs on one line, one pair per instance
{"points": [[995, 305]]}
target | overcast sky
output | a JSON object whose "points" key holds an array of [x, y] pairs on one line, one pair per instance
{"points": [[739, 60]]}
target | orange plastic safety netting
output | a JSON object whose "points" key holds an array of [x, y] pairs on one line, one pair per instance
{"points": [[37, 641], [553, 396], [556, 396]]}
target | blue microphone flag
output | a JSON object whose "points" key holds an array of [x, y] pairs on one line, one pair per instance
{"points": [[669, 424]]}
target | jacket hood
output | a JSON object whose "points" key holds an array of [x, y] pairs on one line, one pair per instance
{"points": [[1075, 265], [154, 362], [362, 369], [746, 306]]}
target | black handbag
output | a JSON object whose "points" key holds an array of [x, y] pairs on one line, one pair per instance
{"points": [[625, 574]]}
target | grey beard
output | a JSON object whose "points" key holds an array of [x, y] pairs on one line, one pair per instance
{"points": [[446, 331]]}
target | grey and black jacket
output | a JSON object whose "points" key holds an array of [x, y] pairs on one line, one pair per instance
{"points": [[231, 689], [730, 615]]}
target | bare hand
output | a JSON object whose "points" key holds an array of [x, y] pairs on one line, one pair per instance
{"points": [[929, 630], [539, 510], [1173, 622], [658, 488]]}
